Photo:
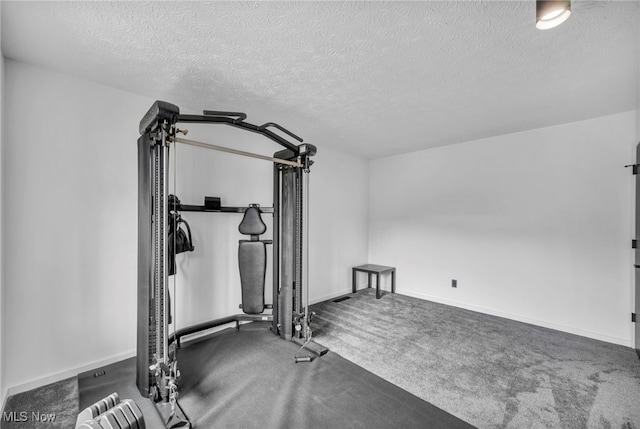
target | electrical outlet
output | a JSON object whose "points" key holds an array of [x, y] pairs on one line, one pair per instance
{"points": [[454, 283]]}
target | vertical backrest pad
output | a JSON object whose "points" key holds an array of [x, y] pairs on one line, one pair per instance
{"points": [[252, 260]]}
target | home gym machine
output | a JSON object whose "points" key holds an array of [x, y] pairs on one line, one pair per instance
{"points": [[157, 349]]}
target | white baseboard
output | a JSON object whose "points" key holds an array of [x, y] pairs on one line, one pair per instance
{"points": [[71, 372], [329, 296], [568, 329]]}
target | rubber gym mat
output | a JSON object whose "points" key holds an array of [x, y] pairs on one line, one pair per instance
{"points": [[248, 379]]}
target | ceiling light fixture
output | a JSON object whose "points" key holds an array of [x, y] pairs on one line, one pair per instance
{"points": [[551, 13]]}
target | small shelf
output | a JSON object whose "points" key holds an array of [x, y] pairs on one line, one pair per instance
{"points": [[190, 208]]}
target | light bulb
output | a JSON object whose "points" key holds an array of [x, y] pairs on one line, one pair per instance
{"points": [[550, 14]]}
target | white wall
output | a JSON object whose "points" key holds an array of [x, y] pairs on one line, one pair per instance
{"points": [[535, 226], [70, 204], [638, 88], [635, 233], [2, 324], [339, 221]]}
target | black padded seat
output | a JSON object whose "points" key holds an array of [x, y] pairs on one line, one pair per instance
{"points": [[252, 261]]}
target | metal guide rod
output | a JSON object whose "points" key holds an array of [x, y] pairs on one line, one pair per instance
{"points": [[236, 152], [275, 286], [305, 249], [158, 292], [165, 246], [174, 244]]}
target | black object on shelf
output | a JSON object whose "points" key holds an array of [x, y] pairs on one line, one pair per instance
{"points": [[212, 203]]}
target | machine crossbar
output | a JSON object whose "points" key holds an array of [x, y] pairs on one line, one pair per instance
{"points": [[236, 152]]}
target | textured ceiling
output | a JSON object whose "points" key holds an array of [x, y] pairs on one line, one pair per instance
{"points": [[373, 78]]}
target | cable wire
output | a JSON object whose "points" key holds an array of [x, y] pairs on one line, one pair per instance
{"points": [[175, 245], [306, 249]]}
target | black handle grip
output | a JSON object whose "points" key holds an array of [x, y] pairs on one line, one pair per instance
{"points": [[239, 115]]}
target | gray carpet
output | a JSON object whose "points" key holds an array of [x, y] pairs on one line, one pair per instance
{"points": [[488, 371], [53, 406]]}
